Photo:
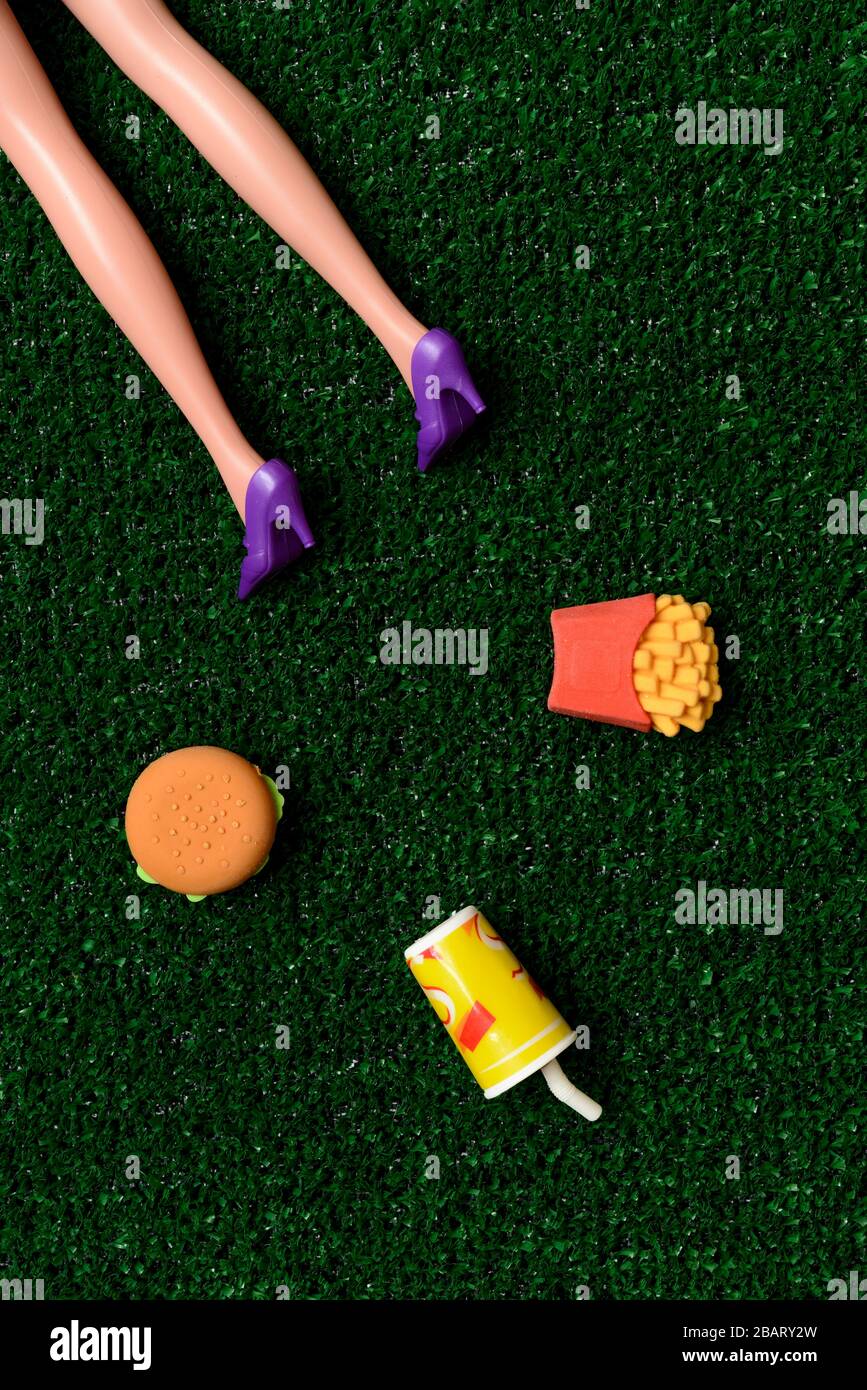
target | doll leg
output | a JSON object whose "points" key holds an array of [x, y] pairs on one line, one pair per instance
{"points": [[251, 151], [116, 257]]}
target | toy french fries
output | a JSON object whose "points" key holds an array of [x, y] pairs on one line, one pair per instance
{"points": [[641, 662]]}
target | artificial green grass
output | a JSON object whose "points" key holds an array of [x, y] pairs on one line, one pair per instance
{"points": [[305, 1169]]}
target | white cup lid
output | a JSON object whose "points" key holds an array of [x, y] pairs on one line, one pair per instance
{"points": [[444, 929]]}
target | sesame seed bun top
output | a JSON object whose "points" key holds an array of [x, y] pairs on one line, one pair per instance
{"points": [[200, 820]]}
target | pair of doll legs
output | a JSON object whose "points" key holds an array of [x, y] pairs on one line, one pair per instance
{"points": [[114, 254]]}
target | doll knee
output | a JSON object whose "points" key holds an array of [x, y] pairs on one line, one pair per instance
{"points": [[135, 32]]}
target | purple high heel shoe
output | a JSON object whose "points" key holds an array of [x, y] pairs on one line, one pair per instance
{"points": [[277, 529], [446, 400]]}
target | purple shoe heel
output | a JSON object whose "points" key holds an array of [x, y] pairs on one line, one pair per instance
{"points": [[446, 400], [277, 529]]}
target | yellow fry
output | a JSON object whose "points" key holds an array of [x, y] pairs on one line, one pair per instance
{"points": [[675, 692], [645, 682], [654, 704], [665, 725], [659, 632], [674, 613], [663, 668], [665, 648], [695, 722]]}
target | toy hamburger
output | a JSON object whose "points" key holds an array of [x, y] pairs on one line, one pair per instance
{"points": [[201, 821]]}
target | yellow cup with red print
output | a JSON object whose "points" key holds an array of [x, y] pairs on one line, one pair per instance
{"points": [[501, 1022]]}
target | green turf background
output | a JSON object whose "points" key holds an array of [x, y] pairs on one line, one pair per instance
{"points": [[305, 1168]]}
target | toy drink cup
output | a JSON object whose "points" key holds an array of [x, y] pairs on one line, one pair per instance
{"points": [[497, 1016]]}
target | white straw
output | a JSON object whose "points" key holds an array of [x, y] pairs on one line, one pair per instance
{"points": [[569, 1094]]}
